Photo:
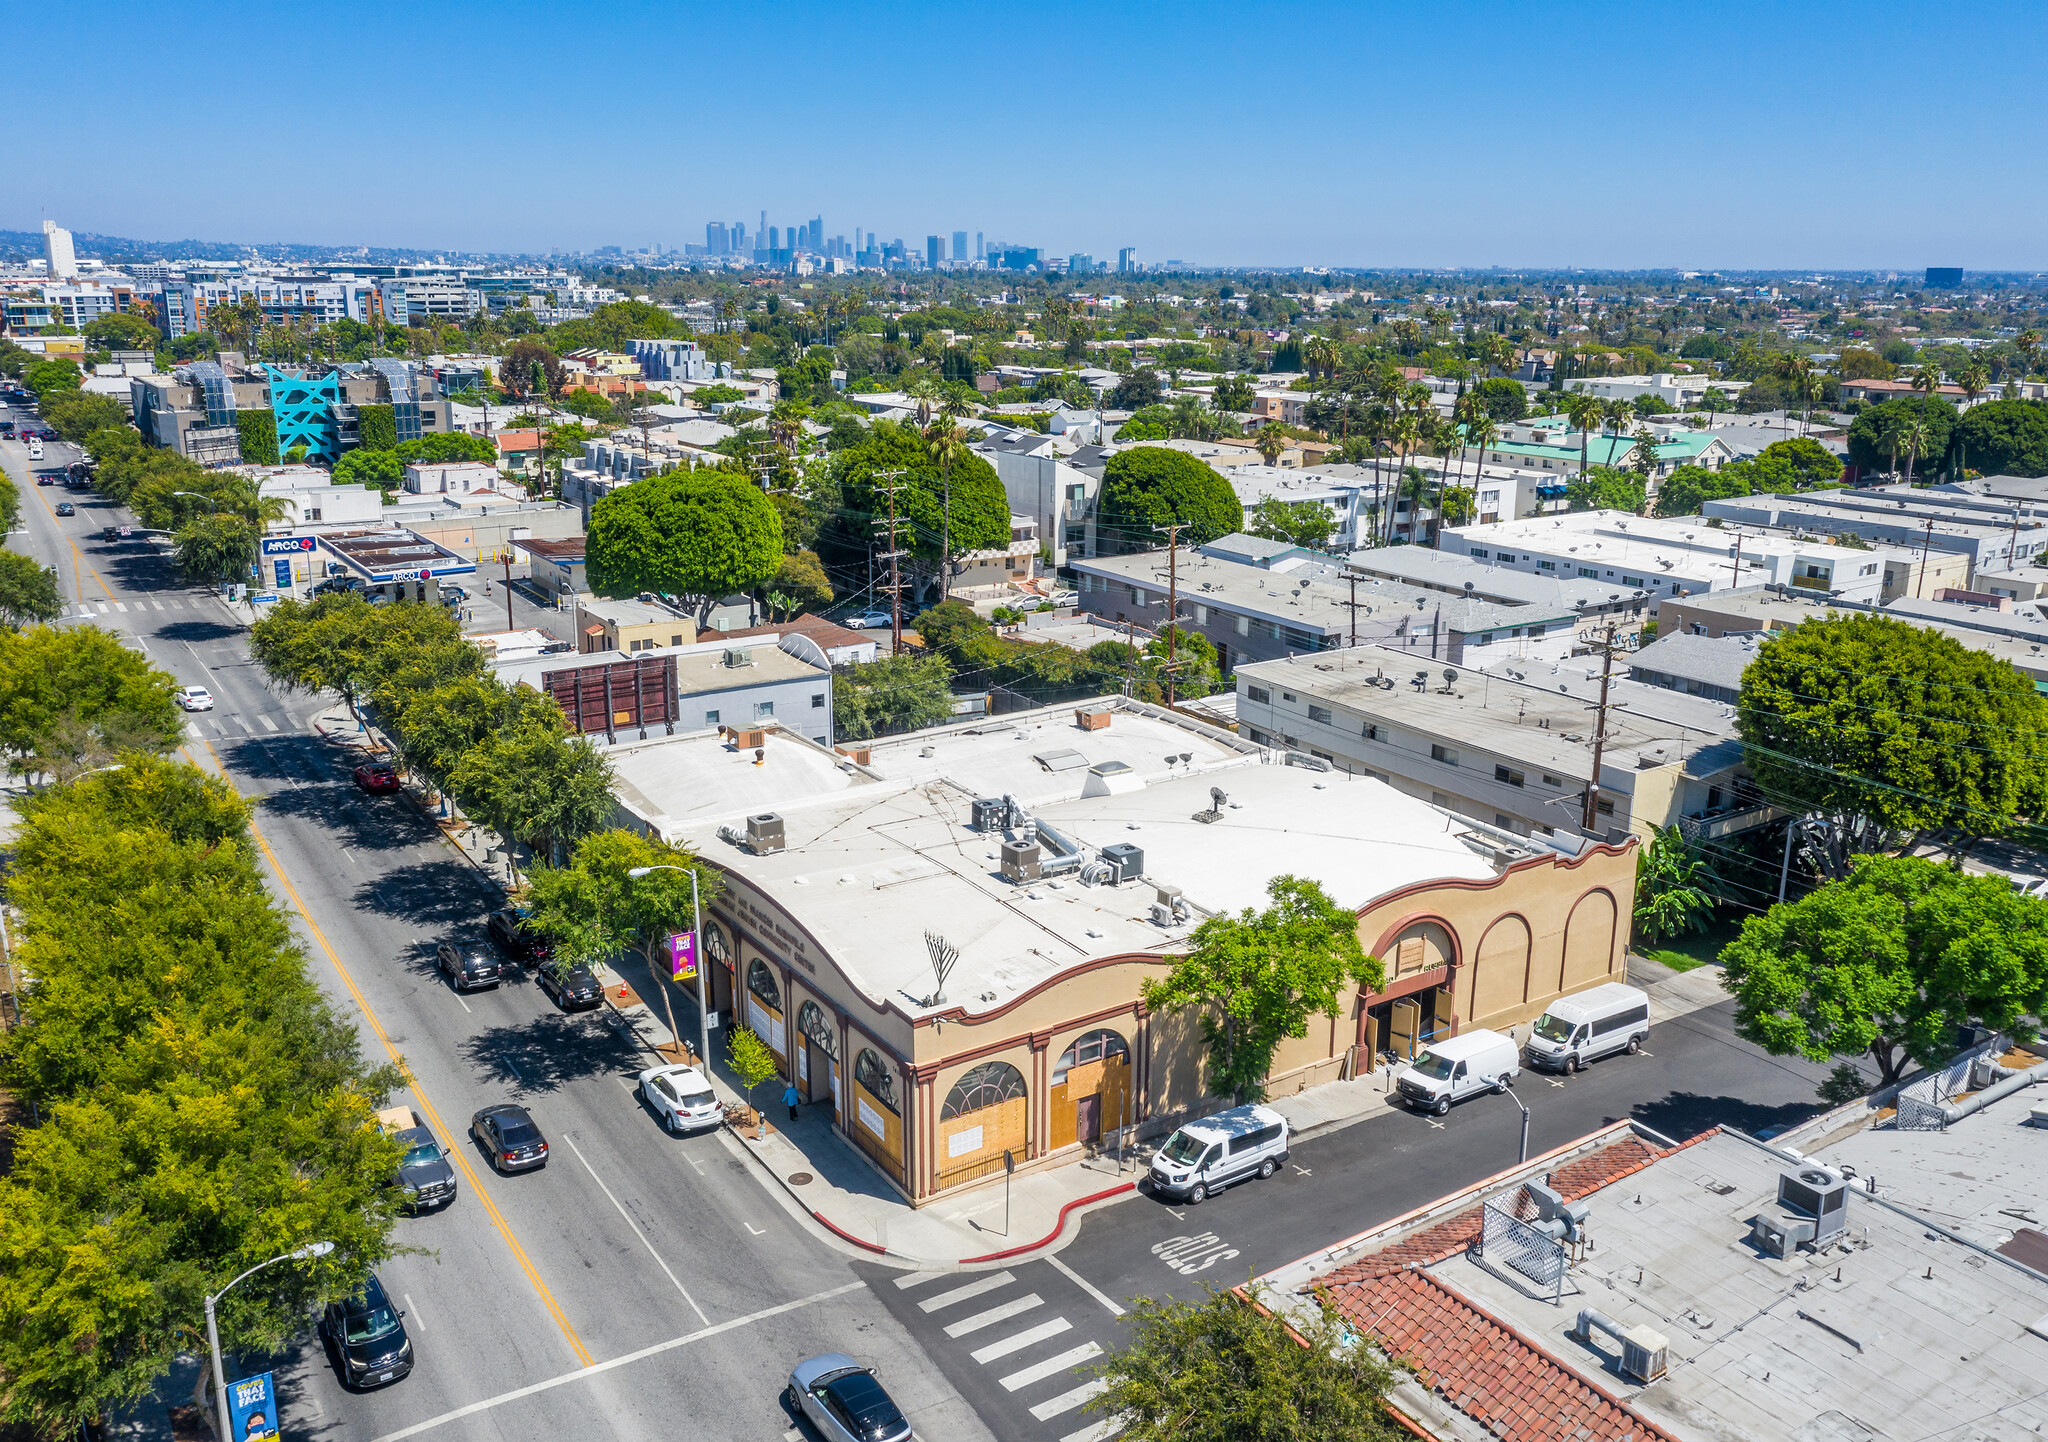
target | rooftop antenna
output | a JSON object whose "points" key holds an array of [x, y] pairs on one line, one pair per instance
{"points": [[1217, 797], [944, 956]]}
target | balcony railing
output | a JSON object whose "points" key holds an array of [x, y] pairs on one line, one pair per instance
{"points": [[1696, 829]]}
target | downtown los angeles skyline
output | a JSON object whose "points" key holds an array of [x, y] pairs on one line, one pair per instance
{"points": [[1337, 136]]}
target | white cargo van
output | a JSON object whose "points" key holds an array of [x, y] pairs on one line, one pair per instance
{"points": [[1208, 1155], [1458, 1066], [1590, 1024]]}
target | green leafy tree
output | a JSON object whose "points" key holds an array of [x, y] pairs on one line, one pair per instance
{"points": [[905, 692], [1234, 393], [215, 548], [119, 331], [1688, 488], [1880, 433], [593, 909], [750, 1059], [341, 643], [1257, 977], [1888, 962], [28, 592], [2005, 438], [200, 1107], [1150, 486], [958, 498], [1891, 732], [803, 580], [705, 533], [1675, 887], [1221, 1369], [10, 502], [47, 377], [381, 470], [1135, 391], [1503, 399], [1297, 523], [533, 784], [590, 404], [66, 696], [77, 415], [1799, 464], [1605, 488]]}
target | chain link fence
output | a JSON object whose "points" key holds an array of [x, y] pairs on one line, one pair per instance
{"points": [[1505, 1238]]}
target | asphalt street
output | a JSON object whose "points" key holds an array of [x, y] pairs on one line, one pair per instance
{"points": [[642, 1286], [638, 1286]]}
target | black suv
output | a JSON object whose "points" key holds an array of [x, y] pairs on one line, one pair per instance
{"points": [[366, 1337], [515, 935], [424, 1175], [574, 988], [467, 966]]}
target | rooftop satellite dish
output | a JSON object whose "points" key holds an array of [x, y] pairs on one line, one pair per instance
{"points": [[1217, 798]]}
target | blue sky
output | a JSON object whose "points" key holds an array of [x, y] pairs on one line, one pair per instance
{"points": [[1531, 134]]}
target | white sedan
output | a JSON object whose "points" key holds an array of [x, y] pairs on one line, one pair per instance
{"points": [[868, 619], [195, 698], [681, 1097]]}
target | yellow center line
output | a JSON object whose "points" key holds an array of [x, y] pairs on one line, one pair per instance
{"points": [[456, 1154], [77, 556]]}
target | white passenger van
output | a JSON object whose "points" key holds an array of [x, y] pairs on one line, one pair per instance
{"points": [[1208, 1155], [1590, 1024], [1458, 1066]]}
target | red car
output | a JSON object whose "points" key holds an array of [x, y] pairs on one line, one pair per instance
{"points": [[377, 776]]}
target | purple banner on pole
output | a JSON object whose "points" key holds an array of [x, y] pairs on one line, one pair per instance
{"points": [[682, 956]]}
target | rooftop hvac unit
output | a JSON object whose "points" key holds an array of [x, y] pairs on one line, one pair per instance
{"points": [[1126, 860], [1812, 1209], [988, 814], [1020, 861], [739, 656], [764, 834]]}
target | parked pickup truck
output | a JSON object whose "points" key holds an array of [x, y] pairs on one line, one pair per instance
{"points": [[425, 1175]]}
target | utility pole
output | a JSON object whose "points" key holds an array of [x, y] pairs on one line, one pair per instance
{"points": [[1353, 604], [889, 483], [1172, 664], [1735, 571], [1599, 730], [1926, 541], [505, 555]]}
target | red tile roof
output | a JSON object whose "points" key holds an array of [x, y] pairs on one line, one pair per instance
{"points": [[1476, 1362], [1483, 1367], [824, 632]]}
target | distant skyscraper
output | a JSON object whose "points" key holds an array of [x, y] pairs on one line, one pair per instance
{"points": [[739, 237], [980, 251], [934, 251], [1127, 260], [775, 237], [716, 240], [817, 241], [58, 252], [959, 245]]}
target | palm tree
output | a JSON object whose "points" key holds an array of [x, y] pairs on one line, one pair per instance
{"points": [[1912, 435], [2028, 343], [1583, 411], [1270, 443], [1320, 355], [1479, 434]]}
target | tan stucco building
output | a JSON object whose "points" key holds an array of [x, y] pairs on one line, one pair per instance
{"points": [[825, 935]]}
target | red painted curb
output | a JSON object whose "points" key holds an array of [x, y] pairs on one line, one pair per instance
{"points": [[1058, 1227], [846, 1236]]}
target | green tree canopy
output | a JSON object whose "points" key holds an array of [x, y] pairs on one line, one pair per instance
{"points": [[1502, 398], [977, 518], [119, 331], [802, 579], [705, 533], [78, 414], [1891, 731], [1221, 1369], [531, 784], [594, 910], [214, 548], [1234, 393], [1798, 464], [2005, 438], [28, 591], [47, 377], [1150, 486], [1872, 434], [1257, 977], [1688, 488], [1888, 962], [1297, 523], [381, 470], [1605, 488], [905, 692], [79, 696], [587, 403], [1137, 390]]}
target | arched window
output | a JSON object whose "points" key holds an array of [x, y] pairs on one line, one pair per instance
{"points": [[810, 1020], [1102, 1045], [762, 984], [715, 944], [990, 1084], [877, 1079]]}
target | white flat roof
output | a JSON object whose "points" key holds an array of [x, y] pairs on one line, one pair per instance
{"points": [[875, 856]]}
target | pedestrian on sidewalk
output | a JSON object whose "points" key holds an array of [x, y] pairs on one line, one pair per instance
{"points": [[790, 1098]]}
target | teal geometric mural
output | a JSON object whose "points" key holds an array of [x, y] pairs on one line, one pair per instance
{"points": [[305, 413]]}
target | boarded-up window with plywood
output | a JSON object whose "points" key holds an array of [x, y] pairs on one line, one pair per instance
{"points": [[985, 1114], [764, 1005], [1090, 1091], [877, 1113]]}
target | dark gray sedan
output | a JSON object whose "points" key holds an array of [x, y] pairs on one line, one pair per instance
{"points": [[509, 1138], [844, 1402]]}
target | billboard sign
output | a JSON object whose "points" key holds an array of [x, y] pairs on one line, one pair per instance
{"points": [[252, 1409]]}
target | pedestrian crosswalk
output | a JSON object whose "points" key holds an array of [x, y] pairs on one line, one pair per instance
{"points": [[92, 610], [1031, 1351]]}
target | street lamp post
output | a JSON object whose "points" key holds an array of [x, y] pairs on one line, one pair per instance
{"points": [[220, 1376], [703, 980], [1525, 1121]]}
